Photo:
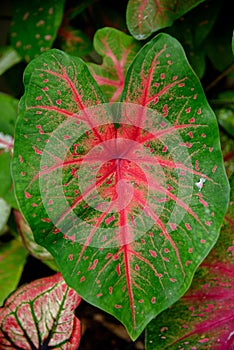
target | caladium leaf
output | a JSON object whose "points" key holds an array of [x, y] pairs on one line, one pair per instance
{"points": [[121, 194], [118, 50], [40, 315], [8, 58], [5, 210], [32, 247], [35, 25], [203, 318], [9, 109], [6, 185], [12, 260], [146, 17]]}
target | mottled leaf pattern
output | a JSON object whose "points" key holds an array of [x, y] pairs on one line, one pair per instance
{"points": [[40, 315], [117, 50], [147, 16], [35, 26], [122, 195], [204, 317]]}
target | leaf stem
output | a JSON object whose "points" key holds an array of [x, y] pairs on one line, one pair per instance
{"points": [[220, 77]]}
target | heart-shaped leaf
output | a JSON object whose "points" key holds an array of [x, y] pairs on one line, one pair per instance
{"points": [[146, 17], [118, 50], [203, 318], [12, 259], [35, 26], [40, 315], [123, 195]]}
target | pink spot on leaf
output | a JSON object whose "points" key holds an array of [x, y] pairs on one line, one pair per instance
{"points": [[118, 270], [214, 169], [110, 219], [153, 253], [27, 195], [190, 134], [205, 340]]}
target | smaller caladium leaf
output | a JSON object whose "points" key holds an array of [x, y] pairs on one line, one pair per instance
{"points": [[6, 142], [12, 259], [40, 315], [6, 185], [35, 26], [34, 249], [74, 41], [204, 317], [146, 17], [9, 109], [118, 50], [5, 210], [8, 58]]}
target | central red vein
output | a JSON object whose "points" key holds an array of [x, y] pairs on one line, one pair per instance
{"points": [[122, 224]]}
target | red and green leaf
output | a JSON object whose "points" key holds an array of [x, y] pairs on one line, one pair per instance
{"points": [[12, 259], [116, 192], [40, 315], [204, 317], [148, 16], [35, 25], [117, 50]]}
